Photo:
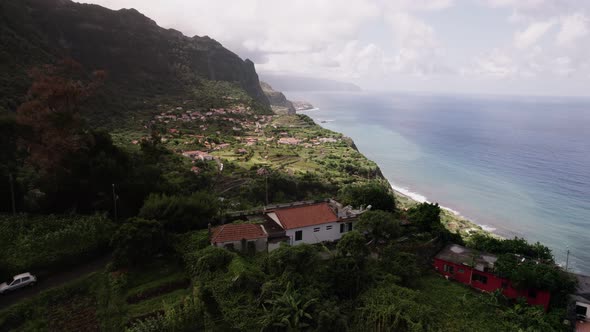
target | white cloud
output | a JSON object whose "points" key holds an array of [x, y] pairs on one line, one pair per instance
{"points": [[529, 36], [497, 65], [573, 27]]}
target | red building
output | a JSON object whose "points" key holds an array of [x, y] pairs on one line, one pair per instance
{"points": [[474, 268]]}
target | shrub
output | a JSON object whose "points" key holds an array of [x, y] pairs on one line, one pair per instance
{"points": [[181, 213], [136, 241], [381, 226], [375, 194], [425, 216], [209, 260]]}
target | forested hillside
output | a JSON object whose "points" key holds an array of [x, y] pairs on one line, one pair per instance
{"points": [[141, 59]]}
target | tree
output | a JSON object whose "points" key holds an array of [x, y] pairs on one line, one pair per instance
{"points": [[300, 260], [136, 241], [288, 310], [375, 194], [353, 244], [401, 264], [380, 226], [209, 260], [425, 216], [52, 112], [181, 213]]}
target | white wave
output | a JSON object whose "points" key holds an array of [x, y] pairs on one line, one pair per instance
{"points": [[455, 212], [315, 109], [406, 192], [487, 228], [422, 199]]}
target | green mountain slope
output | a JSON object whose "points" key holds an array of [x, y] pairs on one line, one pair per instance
{"points": [[142, 60]]}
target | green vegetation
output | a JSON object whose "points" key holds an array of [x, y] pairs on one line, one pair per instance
{"points": [[46, 244], [517, 246], [181, 213], [374, 194]]}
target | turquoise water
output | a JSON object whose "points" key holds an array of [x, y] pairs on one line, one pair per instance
{"points": [[515, 165]]}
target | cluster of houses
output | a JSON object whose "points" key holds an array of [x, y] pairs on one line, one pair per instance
{"points": [[305, 222]]}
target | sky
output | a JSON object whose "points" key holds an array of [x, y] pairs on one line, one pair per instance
{"points": [[523, 47]]}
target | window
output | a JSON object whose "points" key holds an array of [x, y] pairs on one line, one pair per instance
{"points": [[25, 279], [504, 284], [532, 293], [328, 227], [480, 278], [342, 229], [581, 310], [461, 270], [349, 226], [16, 282], [298, 235], [316, 229], [229, 246], [448, 268]]}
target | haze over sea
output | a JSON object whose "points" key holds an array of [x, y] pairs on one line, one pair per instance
{"points": [[519, 166]]}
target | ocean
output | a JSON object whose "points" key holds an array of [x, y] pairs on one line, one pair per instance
{"points": [[517, 166]]}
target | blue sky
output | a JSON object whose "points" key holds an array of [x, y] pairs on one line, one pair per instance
{"points": [[528, 47]]}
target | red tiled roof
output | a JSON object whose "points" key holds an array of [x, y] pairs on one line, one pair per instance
{"points": [[582, 326], [307, 215], [237, 232]]}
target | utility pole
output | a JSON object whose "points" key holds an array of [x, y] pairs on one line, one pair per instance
{"points": [[266, 187], [567, 259], [12, 193], [114, 203]]}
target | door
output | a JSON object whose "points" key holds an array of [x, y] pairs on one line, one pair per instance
{"points": [[16, 284]]}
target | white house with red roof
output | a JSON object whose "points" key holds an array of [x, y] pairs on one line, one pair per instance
{"points": [[239, 237], [313, 223], [296, 223]]}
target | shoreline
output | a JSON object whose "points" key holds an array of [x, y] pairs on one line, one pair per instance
{"points": [[451, 219]]}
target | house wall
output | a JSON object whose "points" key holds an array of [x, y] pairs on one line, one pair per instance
{"points": [[260, 244], [463, 277], [324, 234], [494, 282], [582, 304]]}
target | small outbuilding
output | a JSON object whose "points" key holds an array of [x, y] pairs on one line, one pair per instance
{"points": [[580, 303], [240, 237], [476, 269]]}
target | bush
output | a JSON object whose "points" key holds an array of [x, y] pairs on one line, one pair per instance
{"points": [[518, 246], [375, 194], [425, 216], [181, 213], [353, 244], [136, 242], [209, 260], [381, 226], [301, 259]]}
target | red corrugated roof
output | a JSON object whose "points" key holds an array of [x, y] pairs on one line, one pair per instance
{"points": [[237, 232], [307, 215]]}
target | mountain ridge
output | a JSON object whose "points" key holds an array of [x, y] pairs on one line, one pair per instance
{"points": [[141, 58]]}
